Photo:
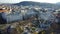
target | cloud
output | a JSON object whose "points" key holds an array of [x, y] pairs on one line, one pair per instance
{"points": [[9, 1]]}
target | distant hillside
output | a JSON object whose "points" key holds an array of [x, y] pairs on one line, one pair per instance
{"points": [[29, 3], [43, 5]]}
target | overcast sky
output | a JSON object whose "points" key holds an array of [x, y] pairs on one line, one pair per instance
{"points": [[17, 1]]}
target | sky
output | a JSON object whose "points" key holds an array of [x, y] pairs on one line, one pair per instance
{"points": [[17, 1]]}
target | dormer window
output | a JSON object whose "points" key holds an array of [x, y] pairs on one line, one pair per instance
{"points": [[3, 8]]}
